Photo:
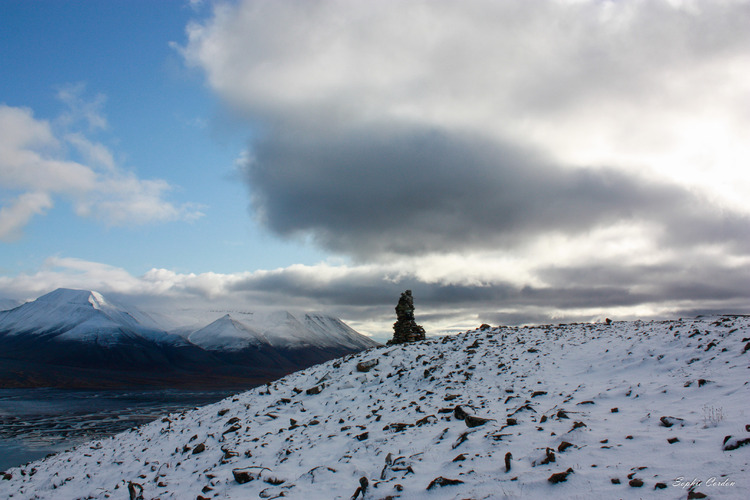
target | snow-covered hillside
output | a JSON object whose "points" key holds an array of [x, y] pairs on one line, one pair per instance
{"points": [[627, 410]]}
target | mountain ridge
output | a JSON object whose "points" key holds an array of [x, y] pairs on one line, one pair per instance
{"points": [[82, 329]]}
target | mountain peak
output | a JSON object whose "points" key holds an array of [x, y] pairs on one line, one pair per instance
{"points": [[72, 296]]}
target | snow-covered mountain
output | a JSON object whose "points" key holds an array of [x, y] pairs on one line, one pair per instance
{"points": [[80, 315], [82, 330], [627, 410]]}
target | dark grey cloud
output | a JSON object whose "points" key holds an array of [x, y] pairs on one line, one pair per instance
{"points": [[409, 191]]}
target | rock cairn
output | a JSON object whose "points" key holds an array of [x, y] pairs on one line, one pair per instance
{"points": [[406, 329]]}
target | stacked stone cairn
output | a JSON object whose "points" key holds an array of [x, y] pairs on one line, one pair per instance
{"points": [[406, 329]]}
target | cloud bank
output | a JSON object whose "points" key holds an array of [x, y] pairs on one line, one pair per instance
{"points": [[522, 160]]}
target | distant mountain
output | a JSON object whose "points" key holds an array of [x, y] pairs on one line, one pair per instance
{"points": [[79, 338]]}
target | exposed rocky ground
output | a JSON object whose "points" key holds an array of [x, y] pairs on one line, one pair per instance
{"points": [[627, 410]]}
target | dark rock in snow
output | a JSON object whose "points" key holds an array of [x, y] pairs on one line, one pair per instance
{"points": [[670, 421], [472, 421], [635, 482], [559, 477], [441, 481], [366, 366]]}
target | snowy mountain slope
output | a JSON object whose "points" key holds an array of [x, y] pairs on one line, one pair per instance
{"points": [[279, 329], [628, 410], [80, 315], [227, 334]]}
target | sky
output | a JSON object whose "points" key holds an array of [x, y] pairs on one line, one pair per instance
{"points": [[510, 162]]}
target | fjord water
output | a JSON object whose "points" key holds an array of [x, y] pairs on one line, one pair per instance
{"points": [[37, 422]]}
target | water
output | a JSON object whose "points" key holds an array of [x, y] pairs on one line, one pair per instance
{"points": [[37, 422]]}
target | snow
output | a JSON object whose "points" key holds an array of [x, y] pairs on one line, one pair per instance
{"points": [[88, 316], [604, 389], [226, 334], [81, 315]]}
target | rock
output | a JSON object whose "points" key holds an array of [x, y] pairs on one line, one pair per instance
{"points": [[315, 390], [406, 329], [577, 425], [734, 443], [508, 457], [242, 476], [660, 486], [559, 477], [696, 494], [460, 413], [366, 366], [223, 412], [673, 440], [635, 482], [459, 458], [538, 393], [441, 481], [615, 480], [363, 436], [562, 414], [564, 446], [472, 421], [362, 488], [614, 410], [135, 491], [199, 448], [670, 421]]}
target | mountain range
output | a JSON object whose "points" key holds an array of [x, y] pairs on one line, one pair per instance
{"points": [[79, 338], [651, 410]]}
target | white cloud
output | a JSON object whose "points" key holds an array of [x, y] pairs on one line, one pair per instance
{"points": [[16, 214], [36, 167]]}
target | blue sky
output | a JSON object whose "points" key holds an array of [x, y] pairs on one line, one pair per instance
{"points": [[161, 123], [510, 162]]}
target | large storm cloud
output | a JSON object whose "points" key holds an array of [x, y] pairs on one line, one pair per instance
{"points": [[557, 139]]}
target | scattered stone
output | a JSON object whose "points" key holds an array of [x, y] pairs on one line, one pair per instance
{"points": [[315, 390], [511, 421], [673, 440], [615, 480], [696, 494], [441, 481], [660, 486], [366, 366], [564, 446], [406, 329], [562, 414], [472, 421], [362, 488], [614, 410], [363, 436], [223, 412], [734, 443], [559, 477], [459, 458], [199, 448], [135, 491], [538, 393], [635, 482], [670, 421], [242, 476], [460, 413], [577, 425], [508, 457]]}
